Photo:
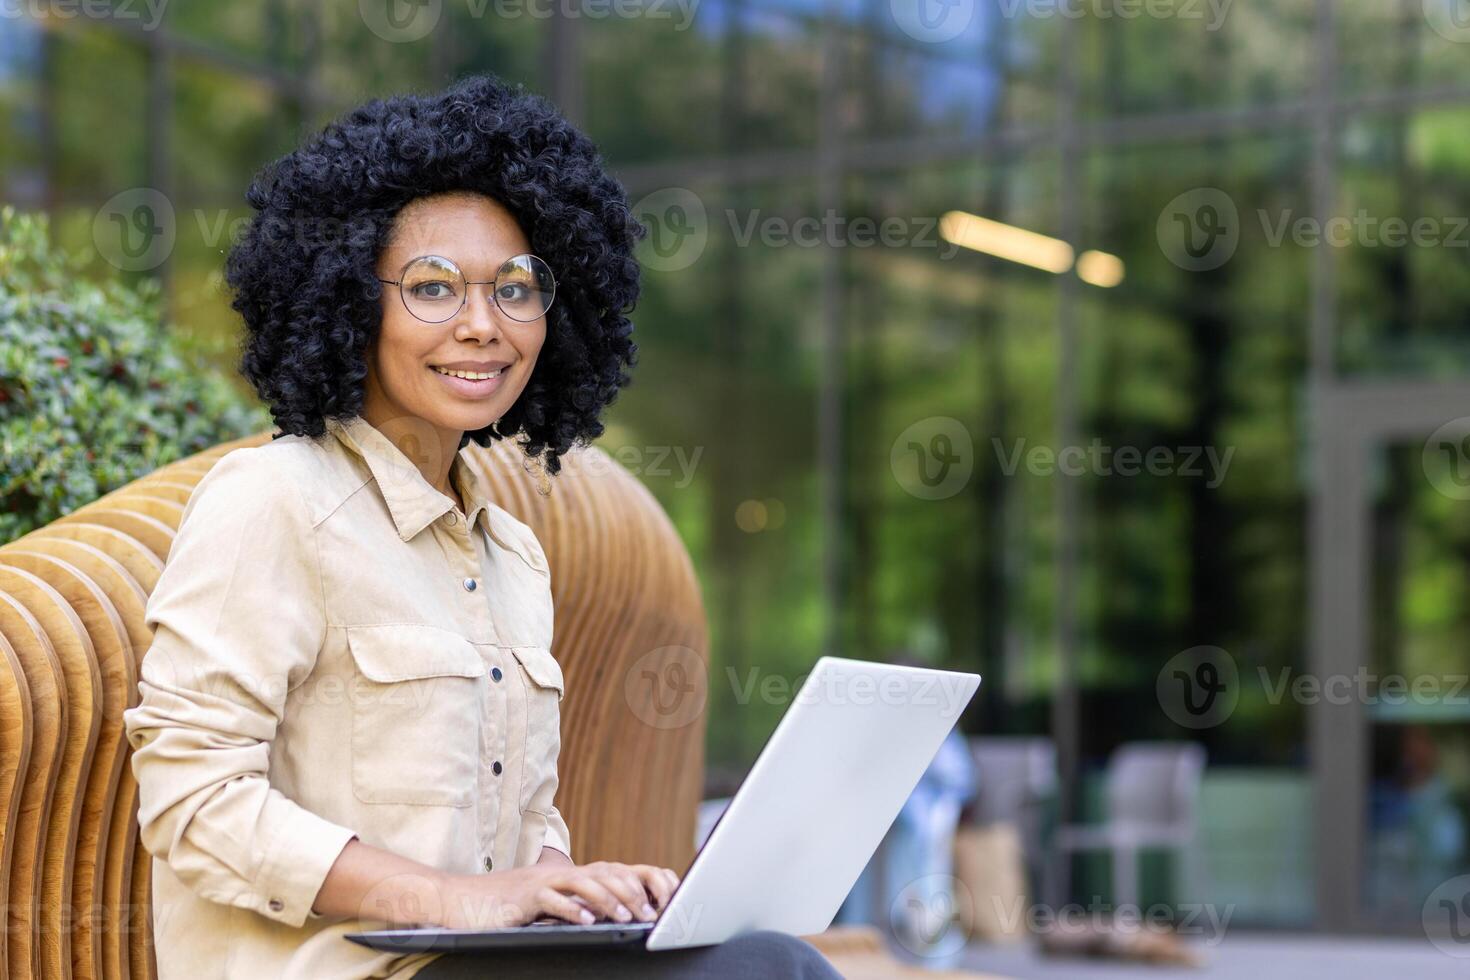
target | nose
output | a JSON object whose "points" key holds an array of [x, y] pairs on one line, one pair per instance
{"points": [[479, 319]]}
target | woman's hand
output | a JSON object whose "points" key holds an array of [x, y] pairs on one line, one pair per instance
{"points": [[576, 893]]}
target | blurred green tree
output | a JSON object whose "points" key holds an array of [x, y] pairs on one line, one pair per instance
{"points": [[94, 392]]}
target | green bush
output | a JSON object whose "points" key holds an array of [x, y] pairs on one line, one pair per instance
{"points": [[94, 391]]}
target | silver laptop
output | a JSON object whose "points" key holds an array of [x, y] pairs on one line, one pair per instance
{"points": [[785, 853]]}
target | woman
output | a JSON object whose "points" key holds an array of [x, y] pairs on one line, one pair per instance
{"points": [[350, 709]]}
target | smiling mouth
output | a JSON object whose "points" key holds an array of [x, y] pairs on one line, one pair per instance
{"points": [[471, 375]]}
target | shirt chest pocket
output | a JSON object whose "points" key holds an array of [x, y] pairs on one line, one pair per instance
{"points": [[417, 696], [542, 678]]}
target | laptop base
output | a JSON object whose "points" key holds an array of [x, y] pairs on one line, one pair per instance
{"points": [[525, 937]]}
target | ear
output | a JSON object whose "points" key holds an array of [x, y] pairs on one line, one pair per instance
{"points": [[370, 363]]}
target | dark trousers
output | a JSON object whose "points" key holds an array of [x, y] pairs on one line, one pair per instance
{"points": [[751, 956]]}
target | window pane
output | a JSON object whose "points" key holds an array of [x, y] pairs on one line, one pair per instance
{"points": [[1196, 56], [1402, 244], [652, 93], [1400, 46]]}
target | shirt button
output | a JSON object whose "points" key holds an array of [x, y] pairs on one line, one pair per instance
{"points": [[495, 673], [496, 768], [489, 863], [453, 518], [277, 905], [469, 585]]}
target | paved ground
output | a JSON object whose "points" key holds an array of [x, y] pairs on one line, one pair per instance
{"points": [[1246, 957]]}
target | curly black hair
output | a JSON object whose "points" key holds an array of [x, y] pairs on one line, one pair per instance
{"points": [[303, 273]]}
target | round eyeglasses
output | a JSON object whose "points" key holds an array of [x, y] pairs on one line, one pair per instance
{"points": [[434, 289]]}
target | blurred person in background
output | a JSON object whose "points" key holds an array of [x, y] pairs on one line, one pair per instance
{"points": [[908, 886], [1417, 823]]}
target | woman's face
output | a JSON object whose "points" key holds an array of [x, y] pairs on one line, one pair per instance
{"points": [[478, 235]]}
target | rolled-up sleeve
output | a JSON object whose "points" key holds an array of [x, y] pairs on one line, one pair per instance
{"points": [[238, 620], [549, 829]]}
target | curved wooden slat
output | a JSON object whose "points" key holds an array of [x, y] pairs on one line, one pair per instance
{"points": [[142, 960], [15, 756], [141, 502], [171, 490], [143, 565], [50, 721], [154, 534], [184, 468]]}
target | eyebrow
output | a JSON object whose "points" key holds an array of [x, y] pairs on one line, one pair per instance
{"points": [[463, 267]]}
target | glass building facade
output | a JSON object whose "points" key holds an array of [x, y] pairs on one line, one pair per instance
{"points": [[1230, 438]]}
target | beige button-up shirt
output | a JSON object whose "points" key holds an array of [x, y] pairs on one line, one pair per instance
{"points": [[338, 652]]}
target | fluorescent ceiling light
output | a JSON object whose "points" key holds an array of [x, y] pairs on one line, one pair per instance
{"points": [[1029, 248], [1006, 241], [1100, 269]]}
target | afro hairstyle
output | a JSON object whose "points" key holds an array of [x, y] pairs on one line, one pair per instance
{"points": [[303, 273]]}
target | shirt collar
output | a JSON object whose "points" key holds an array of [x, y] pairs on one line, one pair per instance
{"points": [[412, 501]]}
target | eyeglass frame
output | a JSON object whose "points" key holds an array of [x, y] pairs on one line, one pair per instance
{"points": [[464, 300]]}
